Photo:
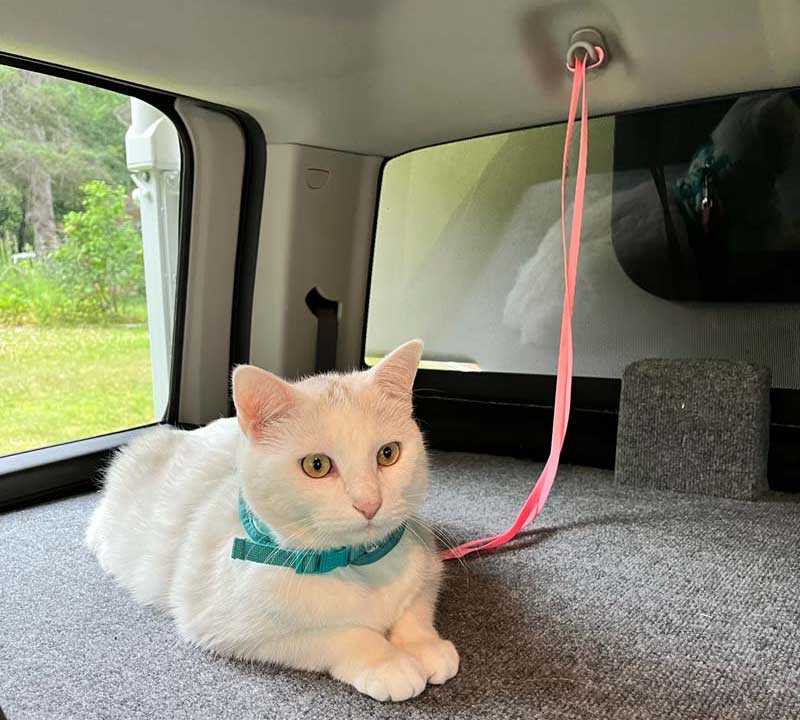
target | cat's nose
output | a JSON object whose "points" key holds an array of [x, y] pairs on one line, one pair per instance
{"points": [[368, 508]]}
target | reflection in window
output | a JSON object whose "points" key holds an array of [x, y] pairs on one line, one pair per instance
{"points": [[727, 177]]}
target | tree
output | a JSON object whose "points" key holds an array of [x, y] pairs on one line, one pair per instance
{"points": [[54, 136], [41, 216], [100, 265]]}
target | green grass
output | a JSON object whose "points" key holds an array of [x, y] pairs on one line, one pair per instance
{"points": [[65, 383]]}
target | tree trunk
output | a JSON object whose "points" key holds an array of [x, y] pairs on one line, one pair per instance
{"points": [[45, 239], [41, 216], [23, 224]]}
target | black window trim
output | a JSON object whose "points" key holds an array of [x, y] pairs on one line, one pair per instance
{"points": [[58, 470], [66, 468], [244, 281]]}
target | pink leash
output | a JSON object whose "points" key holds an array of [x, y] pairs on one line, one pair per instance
{"points": [[536, 500]]}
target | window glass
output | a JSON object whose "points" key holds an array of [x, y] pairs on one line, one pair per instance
{"points": [[89, 193], [468, 244]]}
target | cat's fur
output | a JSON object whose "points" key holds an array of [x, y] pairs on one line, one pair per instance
{"points": [[168, 517]]}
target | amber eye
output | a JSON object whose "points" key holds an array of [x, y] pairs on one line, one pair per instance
{"points": [[316, 466], [389, 454]]}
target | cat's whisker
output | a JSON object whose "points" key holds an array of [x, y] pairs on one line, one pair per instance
{"points": [[444, 537], [419, 537], [286, 539]]}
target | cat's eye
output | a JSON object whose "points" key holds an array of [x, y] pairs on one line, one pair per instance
{"points": [[316, 465], [389, 454]]}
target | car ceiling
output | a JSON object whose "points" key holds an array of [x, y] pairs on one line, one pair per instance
{"points": [[384, 76]]}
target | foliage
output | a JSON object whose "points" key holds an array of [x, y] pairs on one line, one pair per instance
{"points": [[12, 212], [97, 275], [75, 131], [28, 294], [71, 132], [101, 261]]}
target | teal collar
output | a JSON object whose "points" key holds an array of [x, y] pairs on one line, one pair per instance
{"points": [[263, 548]]}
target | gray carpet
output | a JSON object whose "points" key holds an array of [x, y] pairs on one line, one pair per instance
{"points": [[621, 603]]}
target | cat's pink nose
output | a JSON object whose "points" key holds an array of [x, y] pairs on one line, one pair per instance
{"points": [[368, 508]]}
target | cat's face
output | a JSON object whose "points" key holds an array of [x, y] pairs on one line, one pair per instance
{"points": [[335, 459]]}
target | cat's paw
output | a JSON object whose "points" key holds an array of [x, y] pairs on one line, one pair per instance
{"points": [[397, 678], [438, 657]]}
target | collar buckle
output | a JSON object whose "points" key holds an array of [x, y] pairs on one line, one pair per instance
{"points": [[307, 564], [332, 559]]}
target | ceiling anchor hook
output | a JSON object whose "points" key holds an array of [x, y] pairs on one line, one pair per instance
{"points": [[590, 44]]}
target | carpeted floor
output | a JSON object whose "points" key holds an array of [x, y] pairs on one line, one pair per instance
{"points": [[621, 603]]}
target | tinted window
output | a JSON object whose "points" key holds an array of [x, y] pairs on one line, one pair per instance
{"points": [[468, 253]]}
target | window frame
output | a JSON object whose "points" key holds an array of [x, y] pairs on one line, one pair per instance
{"points": [[67, 468], [511, 413]]}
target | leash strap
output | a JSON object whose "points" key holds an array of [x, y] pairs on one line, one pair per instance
{"points": [[536, 500]]}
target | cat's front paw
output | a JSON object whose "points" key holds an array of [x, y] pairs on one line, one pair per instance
{"points": [[397, 678], [438, 657]]}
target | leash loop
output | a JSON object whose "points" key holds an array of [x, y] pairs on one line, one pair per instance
{"points": [[594, 53], [581, 63]]}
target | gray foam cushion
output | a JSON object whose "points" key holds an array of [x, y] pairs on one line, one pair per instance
{"points": [[699, 426]]}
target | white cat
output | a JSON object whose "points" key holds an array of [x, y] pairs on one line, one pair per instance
{"points": [[333, 460]]}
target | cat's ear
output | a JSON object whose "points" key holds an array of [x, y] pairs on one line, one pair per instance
{"points": [[262, 400], [396, 372]]}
